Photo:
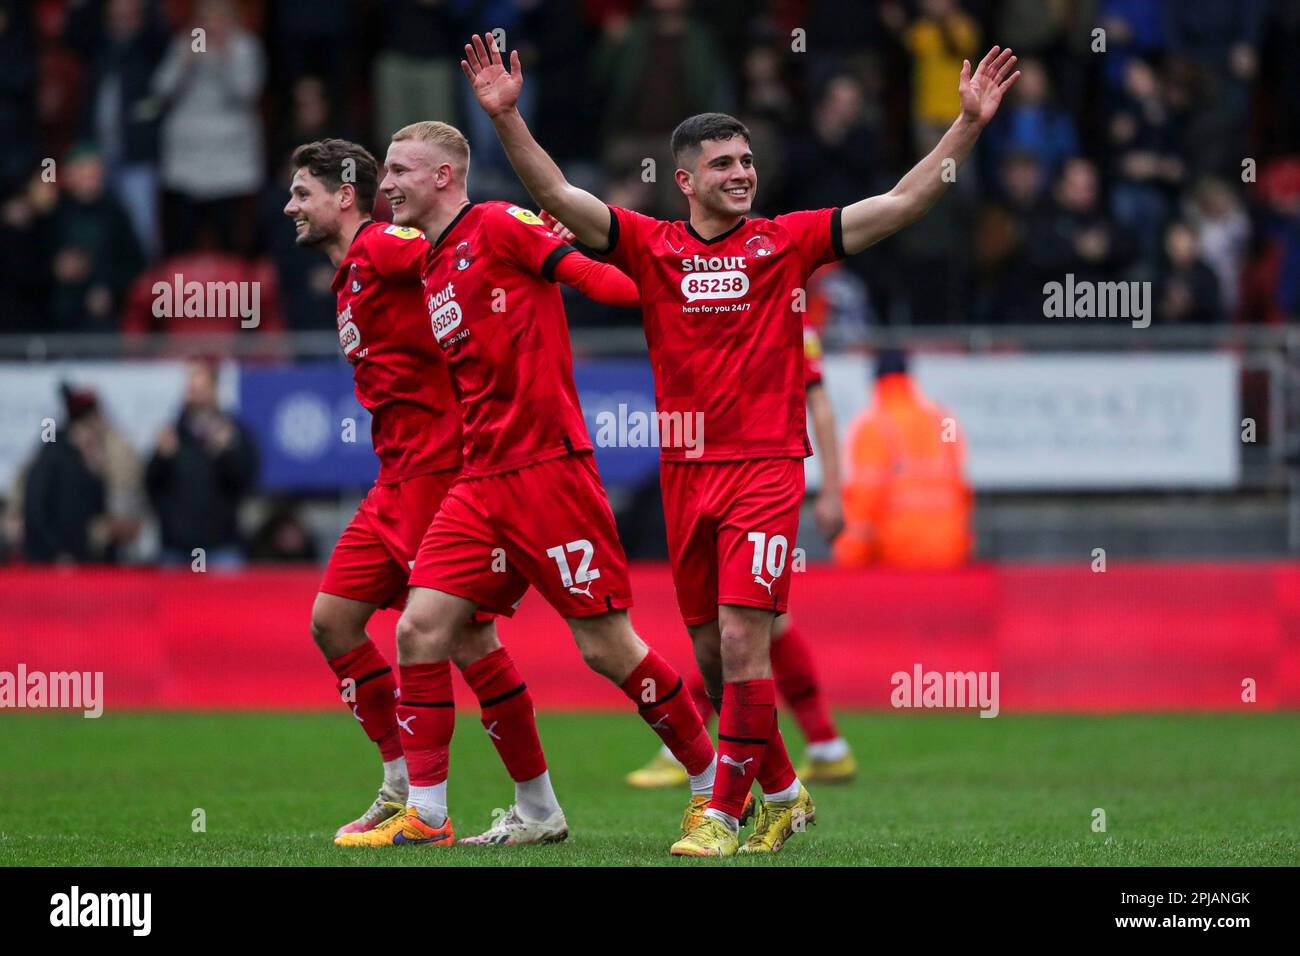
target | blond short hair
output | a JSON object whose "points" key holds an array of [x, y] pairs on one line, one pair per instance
{"points": [[443, 135]]}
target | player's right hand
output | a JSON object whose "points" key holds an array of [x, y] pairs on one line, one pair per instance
{"points": [[561, 231], [496, 89]]}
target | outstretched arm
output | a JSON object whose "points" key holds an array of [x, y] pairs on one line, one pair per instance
{"points": [[868, 221], [598, 281], [497, 91]]}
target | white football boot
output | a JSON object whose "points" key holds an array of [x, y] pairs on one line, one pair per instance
{"points": [[510, 829], [388, 802]]}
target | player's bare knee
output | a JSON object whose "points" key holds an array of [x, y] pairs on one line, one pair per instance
{"points": [[335, 633], [475, 642], [422, 636], [740, 653], [598, 651], [745, 648], [706, 642], [608, 644]]}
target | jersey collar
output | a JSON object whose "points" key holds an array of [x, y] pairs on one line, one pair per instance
{"points": [[717, 238], [452, 225], [365, 224], [344, 267]]}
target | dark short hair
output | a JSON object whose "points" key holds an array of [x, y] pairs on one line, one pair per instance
{"points": [[693, 131], [324, 159], [890, 361]]}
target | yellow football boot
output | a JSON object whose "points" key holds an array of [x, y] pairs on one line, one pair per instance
{"points": [[662, 771], [709, 837], [403, 827], [699, 803], [814, 770], [776, 821]]}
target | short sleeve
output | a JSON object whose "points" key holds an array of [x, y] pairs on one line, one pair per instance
{"points": [[627, 231], [522, 239], [817, 234], [398, 251]]}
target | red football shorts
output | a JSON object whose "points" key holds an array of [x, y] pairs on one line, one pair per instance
{"points": [[731, 531], [548, 525], [372, 561]]}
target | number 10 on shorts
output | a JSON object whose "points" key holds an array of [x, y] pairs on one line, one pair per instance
{"points": [[769, 554], [585, 571]]}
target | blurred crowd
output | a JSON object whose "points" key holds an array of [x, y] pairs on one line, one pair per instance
{"points": [[1153, 140], [87, 496]]}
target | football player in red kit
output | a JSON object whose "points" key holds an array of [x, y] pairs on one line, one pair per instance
{"points": [[721, 298], [402, 380], [529, 508], [828, 758]]}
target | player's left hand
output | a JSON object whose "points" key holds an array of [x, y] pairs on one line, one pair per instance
{"points": [[828, 515], [981, 94]]}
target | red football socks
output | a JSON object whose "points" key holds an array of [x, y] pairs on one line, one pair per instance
{"points": [[700, 697], [775, 772], [426, 715], [796, 679], [508, 714], [744, 726], [657, 690], [366, 684]]}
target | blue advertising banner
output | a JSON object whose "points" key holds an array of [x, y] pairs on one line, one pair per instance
{"points": [[315, 437], [618, 401], [312, 432]]}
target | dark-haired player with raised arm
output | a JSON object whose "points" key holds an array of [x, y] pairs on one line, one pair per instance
{"points": [[721, 299]]}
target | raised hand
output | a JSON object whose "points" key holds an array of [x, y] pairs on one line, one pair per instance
{"points": [[981, 94], [496, 89]]}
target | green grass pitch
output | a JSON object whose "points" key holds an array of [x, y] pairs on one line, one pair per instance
{"points": [[933, 789]]}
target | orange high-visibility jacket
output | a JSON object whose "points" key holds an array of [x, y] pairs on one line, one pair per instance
{"points": [[906, 501]]}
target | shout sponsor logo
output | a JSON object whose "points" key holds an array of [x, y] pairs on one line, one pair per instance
{"points": [[349, 334], [955, 690], [714, 277], [444, 312], [75, 908], [56, 690]]}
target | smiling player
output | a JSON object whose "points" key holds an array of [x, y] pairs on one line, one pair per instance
{"points": [[720, 298], [402, 380], [529, 508]]}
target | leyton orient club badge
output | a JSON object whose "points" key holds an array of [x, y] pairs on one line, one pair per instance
{"points": [[463, 256], [355, 283], [759, 245]]}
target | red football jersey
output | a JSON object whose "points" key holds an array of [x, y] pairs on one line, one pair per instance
{"points": [[724, 322], [400, 376], [498, 316]]}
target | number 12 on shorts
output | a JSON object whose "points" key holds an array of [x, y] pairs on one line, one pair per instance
{"points": [[769, 556], [585, 572]]}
